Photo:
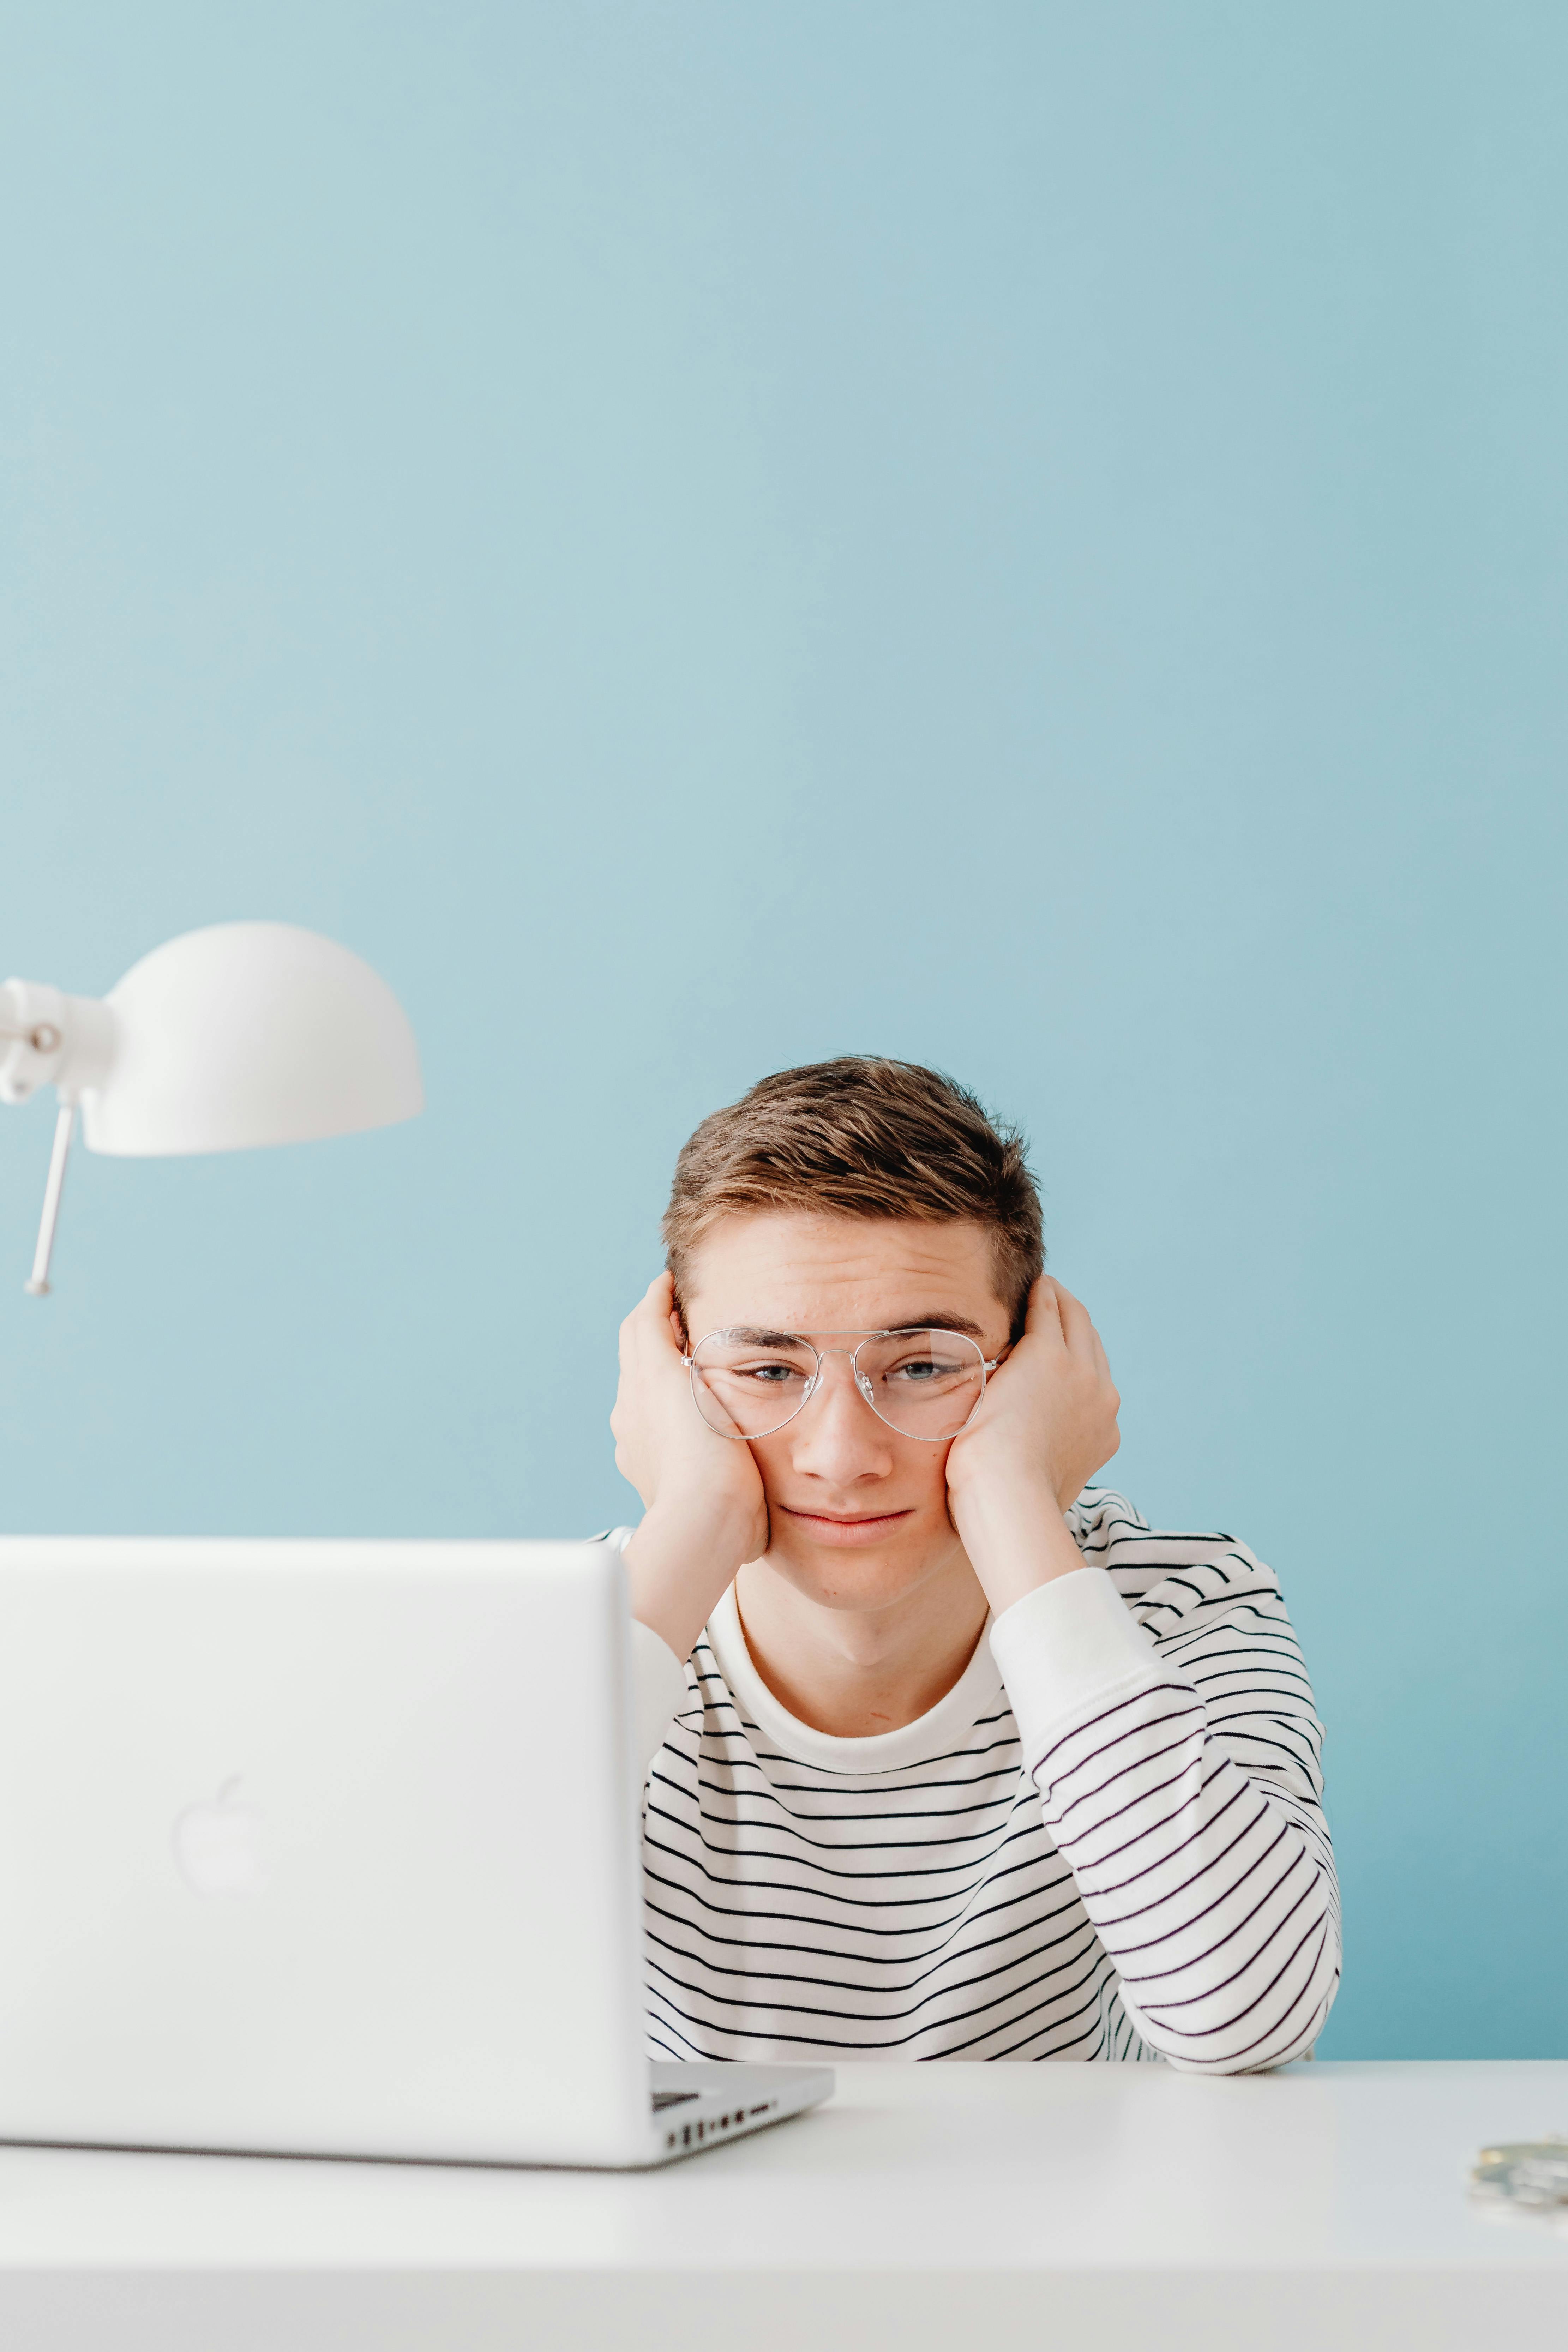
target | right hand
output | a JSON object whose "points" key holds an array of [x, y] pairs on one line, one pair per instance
{"points": [[706, 1511]]}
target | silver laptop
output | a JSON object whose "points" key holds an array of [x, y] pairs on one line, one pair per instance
{"points": [[331, 1849]]}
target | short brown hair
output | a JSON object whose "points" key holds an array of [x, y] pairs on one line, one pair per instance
{"points": [[861, 1137]]}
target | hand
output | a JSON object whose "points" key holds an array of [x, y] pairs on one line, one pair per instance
{"points": [[1045, 1423], [706, 1511]]}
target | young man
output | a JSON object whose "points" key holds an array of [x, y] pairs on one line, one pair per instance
{"points": [[952, 1756]]}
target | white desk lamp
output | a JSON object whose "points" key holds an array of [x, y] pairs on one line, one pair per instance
{"points": [[240, 1034]]}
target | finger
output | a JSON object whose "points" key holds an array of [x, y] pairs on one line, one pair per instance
{"points": [[650, 1305], [1043, 1320], [659, 1316], [1083, 1336], [663, 1296], [651, 1308], [653, 1323], [1076, 1328]]}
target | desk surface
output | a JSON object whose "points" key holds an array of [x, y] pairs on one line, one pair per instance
{"points": [[1034, 2179]]}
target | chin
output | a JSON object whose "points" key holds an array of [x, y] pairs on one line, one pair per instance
{"points": [[862, 1577]]}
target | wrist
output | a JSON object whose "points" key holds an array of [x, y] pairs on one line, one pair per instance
{"points": [[1016, 1537], [710, 1523], [679, 1563]]}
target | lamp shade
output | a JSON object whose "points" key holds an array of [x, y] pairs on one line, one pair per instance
{"points": [[247, 1034]]}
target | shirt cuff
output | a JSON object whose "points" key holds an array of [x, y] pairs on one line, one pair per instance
{"points": [[659, 1689], [1062, 1648]]}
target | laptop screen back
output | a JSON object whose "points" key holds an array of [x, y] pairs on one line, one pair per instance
{"points": [[320, 1847]]}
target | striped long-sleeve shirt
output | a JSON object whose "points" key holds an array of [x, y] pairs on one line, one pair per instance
{"points": [[1107, 1841]]}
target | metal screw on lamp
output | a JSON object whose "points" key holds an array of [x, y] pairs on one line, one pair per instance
{"points": [[222, 1040]]}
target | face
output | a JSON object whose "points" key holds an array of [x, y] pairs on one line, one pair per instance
{"points": [[857, 1512]]}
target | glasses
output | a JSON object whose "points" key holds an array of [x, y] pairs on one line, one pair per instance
{"points": [[923, 1383]]}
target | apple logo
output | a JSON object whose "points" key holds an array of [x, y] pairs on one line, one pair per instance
{"points": [[217, 1845]]}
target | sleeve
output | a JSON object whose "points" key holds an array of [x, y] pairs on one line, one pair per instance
{"points": [[1172, 1739], [658, 1679]]}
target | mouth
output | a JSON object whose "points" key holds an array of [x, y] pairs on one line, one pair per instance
{"points": [[828, 1528]]}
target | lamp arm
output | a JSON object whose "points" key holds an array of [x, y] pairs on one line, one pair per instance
{"points": [[37, 1284]]}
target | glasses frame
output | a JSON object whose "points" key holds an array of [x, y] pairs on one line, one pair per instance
{"points": [[863, 1386]]}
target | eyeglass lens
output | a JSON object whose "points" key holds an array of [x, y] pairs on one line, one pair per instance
{"points": [[924, 1384]]}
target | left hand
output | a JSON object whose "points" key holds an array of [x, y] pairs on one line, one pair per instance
{"points": [[1046, 1425]]}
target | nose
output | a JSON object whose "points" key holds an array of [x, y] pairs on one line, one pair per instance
{"points": [[838, 1437]]}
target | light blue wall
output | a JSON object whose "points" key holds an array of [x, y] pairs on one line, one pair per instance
{"points": [[698, 537]]}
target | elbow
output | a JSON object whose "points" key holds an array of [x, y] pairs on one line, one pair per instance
{"points": [[1295, 2040], [1218, 2036]]}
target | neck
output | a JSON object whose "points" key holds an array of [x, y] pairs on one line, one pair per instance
{"points": [[854, 1673]]}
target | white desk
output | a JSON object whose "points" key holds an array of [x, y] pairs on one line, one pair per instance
{"points": [[942, 2205]]}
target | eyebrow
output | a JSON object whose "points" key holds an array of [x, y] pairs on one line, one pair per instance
{"points": [[912, 1323]]}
